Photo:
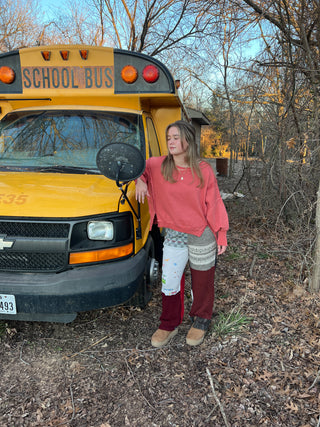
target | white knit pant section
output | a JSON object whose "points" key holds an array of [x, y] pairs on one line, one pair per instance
{"points": [[173, 265]]}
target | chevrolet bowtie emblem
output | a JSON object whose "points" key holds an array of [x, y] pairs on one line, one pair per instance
{"points": [[5, 243]]}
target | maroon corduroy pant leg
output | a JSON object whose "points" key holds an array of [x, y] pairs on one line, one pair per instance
{"points": [[172, 309], [203, 293]]}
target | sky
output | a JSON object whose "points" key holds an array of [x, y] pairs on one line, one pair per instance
{"points": [[50, 7]]}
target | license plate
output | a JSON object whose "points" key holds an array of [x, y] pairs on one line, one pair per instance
{"points": [[8, 304]]}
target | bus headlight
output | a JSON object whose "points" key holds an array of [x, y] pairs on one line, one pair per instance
{"points": [[100, 230]]}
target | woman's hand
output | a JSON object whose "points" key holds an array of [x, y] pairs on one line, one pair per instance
{"points": [[221, 249], [141, 190]]}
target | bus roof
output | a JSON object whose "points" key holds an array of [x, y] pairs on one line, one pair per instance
{"points": [[78, 74]]}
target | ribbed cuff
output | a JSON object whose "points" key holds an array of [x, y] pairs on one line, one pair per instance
{"points": [[201, 323]]}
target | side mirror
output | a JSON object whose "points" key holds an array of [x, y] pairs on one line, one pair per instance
{"points": [[120, 162]]}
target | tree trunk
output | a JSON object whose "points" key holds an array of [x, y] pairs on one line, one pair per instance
{"points": [[315, 279]]}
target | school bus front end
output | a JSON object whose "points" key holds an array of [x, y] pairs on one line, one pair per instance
{"points": [[70, 240]]}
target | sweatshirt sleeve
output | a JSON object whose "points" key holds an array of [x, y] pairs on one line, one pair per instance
{"points": [[217, 216], [145, 176]]}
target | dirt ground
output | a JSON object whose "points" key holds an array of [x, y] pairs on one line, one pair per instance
{"points": [[101, 370]]}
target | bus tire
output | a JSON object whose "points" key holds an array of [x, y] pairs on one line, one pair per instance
{"points": [[144, 292]]}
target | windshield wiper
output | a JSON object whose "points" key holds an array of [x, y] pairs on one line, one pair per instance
{"points": [[68, 169]]}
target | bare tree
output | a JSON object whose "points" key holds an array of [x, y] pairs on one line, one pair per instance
{"points": [[293, 52], [19, 24], [153, 26]]}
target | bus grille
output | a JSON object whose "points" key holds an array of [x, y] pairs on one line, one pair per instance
{"points": [[34, 229], [31, 259], [16, 261]]}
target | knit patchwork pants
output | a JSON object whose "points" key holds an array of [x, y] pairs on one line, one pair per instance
{"points": [[179, 248]]}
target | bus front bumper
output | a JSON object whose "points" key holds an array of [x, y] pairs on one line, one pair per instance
{"points": [[59, 297]]}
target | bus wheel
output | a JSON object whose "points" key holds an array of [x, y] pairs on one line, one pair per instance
{"points": [[144, 292]]}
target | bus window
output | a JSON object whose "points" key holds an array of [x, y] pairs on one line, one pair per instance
{"points": [[65, 138], [153, 139]]}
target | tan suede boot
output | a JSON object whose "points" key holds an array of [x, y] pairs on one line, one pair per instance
{"points": [[197, 331], [195, 336], [161, 337]]}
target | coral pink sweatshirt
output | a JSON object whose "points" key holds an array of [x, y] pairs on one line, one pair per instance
{"points": [[183, 206]]}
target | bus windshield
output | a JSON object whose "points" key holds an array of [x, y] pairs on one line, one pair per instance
{"points": [[56, 139]]}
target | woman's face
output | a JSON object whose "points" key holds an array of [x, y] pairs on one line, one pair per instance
{"points": [[175, 145]]}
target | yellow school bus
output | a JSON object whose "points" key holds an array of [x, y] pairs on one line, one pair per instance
{"points": [[76, 126]]}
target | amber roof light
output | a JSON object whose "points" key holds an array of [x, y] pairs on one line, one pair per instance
{"points": [[46, 55], [84, 54], [64, 54], [129, 74], [7, 75]]}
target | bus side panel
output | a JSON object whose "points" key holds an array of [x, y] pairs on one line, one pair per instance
{"points": [[162, 117]]}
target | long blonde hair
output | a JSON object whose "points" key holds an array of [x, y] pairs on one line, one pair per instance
{"points": [[192, 157]]}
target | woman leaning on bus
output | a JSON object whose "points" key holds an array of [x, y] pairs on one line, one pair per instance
{"points": [[184, 199]]}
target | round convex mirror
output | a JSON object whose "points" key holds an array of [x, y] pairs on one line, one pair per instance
{"points": [[120, 162]]}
